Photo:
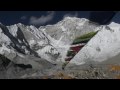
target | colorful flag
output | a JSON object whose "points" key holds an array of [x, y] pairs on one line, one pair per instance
{"points": [[77, 45]]}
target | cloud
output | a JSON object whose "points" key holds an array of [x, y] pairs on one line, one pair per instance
{"points": [[71, 15], [23, 17], [43, 19]]}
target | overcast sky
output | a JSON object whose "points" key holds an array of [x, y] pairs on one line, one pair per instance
{"points": [[38, 18]]}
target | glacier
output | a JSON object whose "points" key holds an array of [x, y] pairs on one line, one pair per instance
{"points": [[49, 44]]}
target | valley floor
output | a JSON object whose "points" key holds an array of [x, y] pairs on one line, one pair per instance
{"points": [[97, 72], [109, 69]]}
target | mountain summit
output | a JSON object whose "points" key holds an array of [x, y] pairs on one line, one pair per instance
{"points": [[48, 45]]}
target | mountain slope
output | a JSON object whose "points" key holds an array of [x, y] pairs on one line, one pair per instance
{"points": [[19, 43], [104, 45], [30, 45], [64, 32]]}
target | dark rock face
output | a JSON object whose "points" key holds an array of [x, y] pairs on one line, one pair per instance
{"points": [[12, 38], [4, 62], [23, 45], [9, 69]]}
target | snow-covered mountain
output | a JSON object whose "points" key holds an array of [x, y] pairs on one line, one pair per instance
{"points": [[64, 32], [23, 44], [104, 45], [31, 45]]}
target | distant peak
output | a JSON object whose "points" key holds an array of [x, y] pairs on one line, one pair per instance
{"points": [[68, 17], [1, 23], [20, 24], [74, 19]]}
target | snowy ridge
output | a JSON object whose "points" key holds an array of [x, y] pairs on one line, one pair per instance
{"points": [[69, 28], [24, 40], [102, 46], [51, 42], [64, 32], [13, 29]]}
